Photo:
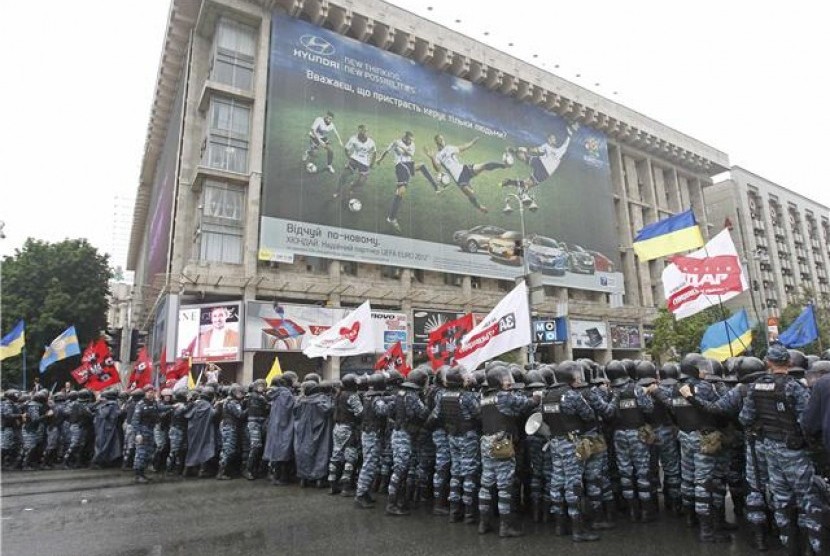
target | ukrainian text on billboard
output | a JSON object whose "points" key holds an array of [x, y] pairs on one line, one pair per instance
{"points": [[372, 157]]}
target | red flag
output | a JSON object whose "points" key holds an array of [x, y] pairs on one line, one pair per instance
{"points": [[716, 275], [393, 358], [177, 370], [444, 340], [142, 371], [97, 370]]}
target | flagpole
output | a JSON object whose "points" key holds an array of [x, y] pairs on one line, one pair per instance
{"points": [[818, 330], [25, 387], [723, 309]]}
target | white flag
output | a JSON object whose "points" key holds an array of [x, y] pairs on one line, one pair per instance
{"points": [[506, 327], [353, 335], [704, 278]]}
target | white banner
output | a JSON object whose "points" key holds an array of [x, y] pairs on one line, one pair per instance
{"points": [[704, 278], [353, 335], [506, 327]]}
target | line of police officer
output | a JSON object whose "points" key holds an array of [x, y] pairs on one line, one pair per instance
{"points": [[572, 443]]}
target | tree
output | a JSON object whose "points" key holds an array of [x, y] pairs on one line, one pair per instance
{"points": [[52, 286], [675, 338], [822, 311]]}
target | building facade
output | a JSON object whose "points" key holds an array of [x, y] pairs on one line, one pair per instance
{"points": [[209, 174], [781, 236]]}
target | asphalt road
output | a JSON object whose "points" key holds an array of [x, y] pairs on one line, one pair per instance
{"points": [[88, 512]]}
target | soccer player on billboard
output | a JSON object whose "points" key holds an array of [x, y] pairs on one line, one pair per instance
{"points": [[318, 138], [543, 161], [447, 159], [404, 151], [360, 154]]}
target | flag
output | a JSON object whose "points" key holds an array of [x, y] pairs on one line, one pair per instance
{"points": [[506, 327], [65, 345], [353, 335], [142, 371], [443, 341], [179, 369], [13, 342], [97, 369], [704, 278], [727, 338], [394, 358], [668, 236], [276, 370], [802, 331]]}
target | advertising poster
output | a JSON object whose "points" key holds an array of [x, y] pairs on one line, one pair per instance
{"points": [[551, 330], [210, 333], [287, 327], [588, 334], [625, 336], [372, 157]]}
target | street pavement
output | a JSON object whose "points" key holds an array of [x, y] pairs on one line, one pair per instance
{"points": [[101, 512]]}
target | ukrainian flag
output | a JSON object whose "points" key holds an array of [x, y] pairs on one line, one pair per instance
{"points": [[727, 338], [13, 342], [65, 345], [668, 236]]}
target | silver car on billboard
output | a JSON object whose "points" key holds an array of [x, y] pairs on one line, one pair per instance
{"points": [[476, 239]]}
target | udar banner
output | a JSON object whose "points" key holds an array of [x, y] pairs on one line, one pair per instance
{"points": [[348, 124], [288, 327]]}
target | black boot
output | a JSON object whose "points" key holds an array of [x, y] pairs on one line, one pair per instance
{"points": [[393, 505], [485, 523], [456, 514], [547, 517], [334, 488], [649, 511], [691, 517], [580, 532], [606, 518], [634, 510], [281, 474], [140, 478], [561, 527], [364, 502], [792, 546], [720, 520], [508, 526], [470, 514], [759, 538], [440, 507], [708, 533], [537, 510], [221, 475], [346, 486]]}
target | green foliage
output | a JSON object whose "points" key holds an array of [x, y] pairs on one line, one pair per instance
{"points": [[791, 312], [53, 286], [675, 338]]}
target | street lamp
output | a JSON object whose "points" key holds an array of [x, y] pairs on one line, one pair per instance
{"points": [[524, 201]]}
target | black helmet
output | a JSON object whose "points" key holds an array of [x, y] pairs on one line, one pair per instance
{"points": [[326, 387], [480, 377], [362, 383], [518, 374], [349, 382], [825, 355], [377, 382], [12, 394], [811, 359], [535, 379], [180, 394], [312, 376], [693, 365], [669, 372], [570, 372], [86, 395], [731, 364], [123, 395], [208, 392], [497, 375], [309, 387], [394, 378], [547, 374], [820, 367], [416, 379], [110, 394], [60, 396], [41, 396], [290, 376], [797, 359], [617, 373], [630, 367], [750, 368], [453, 377], [236, 391], [646, 373], [73, 395]]}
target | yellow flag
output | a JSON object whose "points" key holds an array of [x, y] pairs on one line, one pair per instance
{"points": [[275, 371]]}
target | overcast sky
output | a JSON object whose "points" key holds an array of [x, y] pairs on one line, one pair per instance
{"points": [[748, 78]]}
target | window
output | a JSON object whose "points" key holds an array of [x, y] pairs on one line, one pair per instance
{"points": [[223, 222], [226, 145], [233, 55]]}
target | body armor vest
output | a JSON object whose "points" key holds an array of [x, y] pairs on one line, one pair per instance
{"points": [[8, 409], [690, 418], [257, 406], [372, 422], [494, 421], [454, 422], [661, 417], [630, 416], [231, 411], [560, 424], [178, 418], [775, 417], [403, 422], [149, 414], [342, 413]]}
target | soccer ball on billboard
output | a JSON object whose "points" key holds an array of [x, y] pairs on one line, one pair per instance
{"points": [[355, 205], [311, 168]]}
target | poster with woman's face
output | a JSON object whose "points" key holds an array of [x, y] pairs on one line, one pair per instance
{"points": [[210, 333]]}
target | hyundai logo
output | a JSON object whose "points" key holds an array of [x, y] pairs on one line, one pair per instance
{"points": [[317, 45]]}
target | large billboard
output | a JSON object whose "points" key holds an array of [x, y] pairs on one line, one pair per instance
{"points": [[372, 157], [210, 333], [287, 327]]}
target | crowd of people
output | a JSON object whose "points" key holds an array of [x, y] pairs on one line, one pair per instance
{"points": [[576, 444]]}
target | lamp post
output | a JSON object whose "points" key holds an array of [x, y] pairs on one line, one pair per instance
{"points": [[523, 202]]}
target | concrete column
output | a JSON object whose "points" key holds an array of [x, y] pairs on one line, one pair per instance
{"points": [[247, 367], [632, 185], [662, 200]]}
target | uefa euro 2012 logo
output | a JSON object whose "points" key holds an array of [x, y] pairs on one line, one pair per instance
{"points": [[592, 146]]}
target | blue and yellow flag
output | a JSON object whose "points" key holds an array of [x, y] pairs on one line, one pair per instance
{"points": [[727, 338], [13, 342], [65, 345], [668, 236]]}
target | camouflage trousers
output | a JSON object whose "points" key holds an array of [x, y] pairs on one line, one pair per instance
{"points": [[791, 485], [177, 447], [343, 452], [440, 440], [565, 480], [463, 467], [596, 479], [757, 479], [230, 443], [254, 428], [499, 473], [536, 457], [402, 460], [699, 481], [667, 454], [386, 452], [633, 463], [8, 439], [144, 447], [370, 443], [129, 439], [77, 439], [425, 456], [160, 438]]}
